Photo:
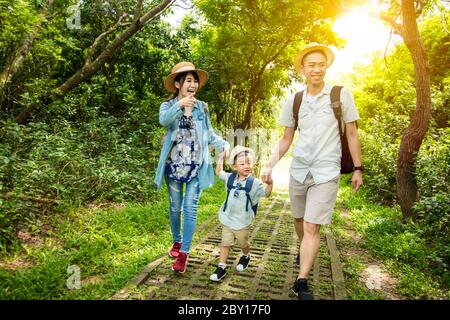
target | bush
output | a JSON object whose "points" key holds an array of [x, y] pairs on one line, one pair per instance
{"points": [[104, 159]]}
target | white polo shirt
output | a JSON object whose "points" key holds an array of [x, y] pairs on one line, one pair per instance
{"points": [[318, 148]]}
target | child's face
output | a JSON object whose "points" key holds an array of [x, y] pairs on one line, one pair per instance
{"points": [[244, 165]]}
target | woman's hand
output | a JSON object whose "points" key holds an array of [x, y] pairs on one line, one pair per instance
{"points": [[188, 103], [226, 153]]}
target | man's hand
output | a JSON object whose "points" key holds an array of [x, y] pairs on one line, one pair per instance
{"points": [[266, 176], [357, 180]]}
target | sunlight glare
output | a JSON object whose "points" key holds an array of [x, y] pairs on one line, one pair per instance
{"points": [[364, 33]]}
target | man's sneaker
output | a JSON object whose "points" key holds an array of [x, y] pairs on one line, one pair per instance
{"points": [[297, 259], [180, 264], [301, 290], [175, 250], [218, 274], [243, 263]]}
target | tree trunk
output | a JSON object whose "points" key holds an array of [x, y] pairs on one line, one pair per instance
{"points": [[414, 134], [253, 98], [90, 68], [17, 58]]}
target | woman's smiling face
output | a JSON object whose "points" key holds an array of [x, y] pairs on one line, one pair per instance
{"points": [[187, 87]]}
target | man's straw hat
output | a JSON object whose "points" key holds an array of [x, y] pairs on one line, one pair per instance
{"points": [[311, 47]]}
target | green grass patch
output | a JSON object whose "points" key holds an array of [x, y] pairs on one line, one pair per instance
{"points": [[401, 247], [109, 246]]}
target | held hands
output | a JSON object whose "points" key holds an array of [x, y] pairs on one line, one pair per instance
{"points": [[266, 176], [224, 154]]}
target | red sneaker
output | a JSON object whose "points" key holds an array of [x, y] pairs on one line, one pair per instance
{"points": [[175, 250], [180, 264]]}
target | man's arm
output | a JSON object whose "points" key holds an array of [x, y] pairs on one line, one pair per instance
{"points": [[355, 150], [279, 151]]}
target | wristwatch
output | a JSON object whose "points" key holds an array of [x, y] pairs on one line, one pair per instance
{"points": [[360, 168]]}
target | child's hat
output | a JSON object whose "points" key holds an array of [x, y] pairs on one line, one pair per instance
{"points": [[312, 47], [238, 150], [181, 67]]}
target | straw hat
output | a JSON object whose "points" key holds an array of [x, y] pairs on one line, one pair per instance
{"points": [[311, 47], [237, 150], [181, 67]]}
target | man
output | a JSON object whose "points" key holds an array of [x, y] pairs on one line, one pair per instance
{"points": [[315, 167]]}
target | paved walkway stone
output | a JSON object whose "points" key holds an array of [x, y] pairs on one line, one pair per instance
{"points": [[271, 272]]}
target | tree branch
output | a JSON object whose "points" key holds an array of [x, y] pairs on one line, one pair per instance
{"points": [[156, 11], [17, 57], [90, 68], [29, 198], [398, 28], [137, 12], [103, 35]]}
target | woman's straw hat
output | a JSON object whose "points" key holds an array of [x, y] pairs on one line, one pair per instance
{"points": [[181, 67]]}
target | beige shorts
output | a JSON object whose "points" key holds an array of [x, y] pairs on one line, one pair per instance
{"points": [[241, 236], [313, 202]]}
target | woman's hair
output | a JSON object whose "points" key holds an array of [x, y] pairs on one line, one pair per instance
{"points": [[181, 77]]}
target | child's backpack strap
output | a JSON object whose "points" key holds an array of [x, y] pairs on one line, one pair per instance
{"points": [[230, 182], [248, 188]]}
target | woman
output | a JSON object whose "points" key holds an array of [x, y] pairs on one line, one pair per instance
{"points": [[185, 158]]}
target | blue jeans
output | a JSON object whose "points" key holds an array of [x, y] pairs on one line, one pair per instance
{"points": [[189, 206]]}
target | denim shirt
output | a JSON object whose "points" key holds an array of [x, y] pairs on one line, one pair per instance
{"points": [[170, 113]]}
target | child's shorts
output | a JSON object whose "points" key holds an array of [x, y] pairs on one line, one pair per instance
{"points": [[229, 236], [313, 202]]}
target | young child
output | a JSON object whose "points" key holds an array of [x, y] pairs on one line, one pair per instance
{"points": [[238, 210]]}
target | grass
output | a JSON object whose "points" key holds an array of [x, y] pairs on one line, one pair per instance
{"points": [[400, 247], [109, 246]]}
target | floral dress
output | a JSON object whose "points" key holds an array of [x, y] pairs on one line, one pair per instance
{"points": [[183, 162]]}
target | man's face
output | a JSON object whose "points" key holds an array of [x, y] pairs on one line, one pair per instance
{"points": [[314, 68]]}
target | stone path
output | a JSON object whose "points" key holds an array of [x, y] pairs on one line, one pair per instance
{"points": [[269, 276]]}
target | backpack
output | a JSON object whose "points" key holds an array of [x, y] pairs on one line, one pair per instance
{"points": [[335, 97], [247, 188]]}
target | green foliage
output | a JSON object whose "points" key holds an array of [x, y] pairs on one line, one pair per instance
{"points": [[104, 159], [402, 247], [385, 94], [110, 245], [249, 47]]}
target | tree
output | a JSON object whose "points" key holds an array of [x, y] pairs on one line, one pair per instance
{"points": [[415, 132], [249, 46], [15, 60], [94, 60]]}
